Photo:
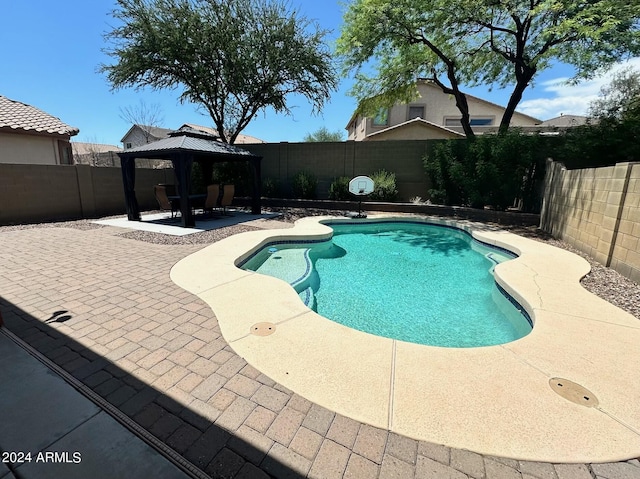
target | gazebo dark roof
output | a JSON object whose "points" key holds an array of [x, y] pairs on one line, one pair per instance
{"points": [[182, 147], [190, 140]]}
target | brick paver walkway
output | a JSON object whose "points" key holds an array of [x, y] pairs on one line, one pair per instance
{"points": [[155, 352]]}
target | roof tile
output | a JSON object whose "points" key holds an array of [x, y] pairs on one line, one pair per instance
{"points": [[20, 116]]}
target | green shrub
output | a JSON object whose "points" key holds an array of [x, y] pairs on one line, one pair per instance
{"points": [[339, 189], [384, 186], [303, 185], [605, 143], [491, 170], [239, 174], [271, 188]]}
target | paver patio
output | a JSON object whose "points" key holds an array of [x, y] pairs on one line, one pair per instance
{"points": [[155, 352]]}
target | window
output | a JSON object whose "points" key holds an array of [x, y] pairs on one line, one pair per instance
{"points": [[481, 121], [381, 118], [477, 121], [66, 155], [416, 111], [127, 146]]}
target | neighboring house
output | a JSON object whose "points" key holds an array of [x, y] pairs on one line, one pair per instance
{"points": [[139, 135], [565, 121], [31, 136], [240, 139], [96, 154], [433, 115]]}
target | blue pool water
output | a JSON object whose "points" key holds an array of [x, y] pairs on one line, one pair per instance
{"points": [[414, 282]]}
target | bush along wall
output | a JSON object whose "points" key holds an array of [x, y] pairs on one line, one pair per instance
{"points": [[605, 143], [491, 170], [303, 185], [384, 186], [339, 189]]}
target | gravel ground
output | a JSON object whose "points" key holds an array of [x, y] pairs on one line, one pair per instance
{"points": [[204, 237], [602, 281]]}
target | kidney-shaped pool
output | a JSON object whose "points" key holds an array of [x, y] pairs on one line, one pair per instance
{"points": [[416, 282]]}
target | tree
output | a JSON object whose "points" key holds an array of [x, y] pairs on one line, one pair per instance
{"points": [[233, 59], [479, 42], [620, 99], [613, 134], [323, 134], [144, 116]]}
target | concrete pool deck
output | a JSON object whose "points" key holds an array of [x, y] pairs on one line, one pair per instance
{"points": [[492, 400]]}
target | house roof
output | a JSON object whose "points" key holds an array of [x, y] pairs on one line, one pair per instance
{"points": [[158, 133], [565, 121], [18, 116], [80, 148], [418, 121], [188, 140], [239, 139]]}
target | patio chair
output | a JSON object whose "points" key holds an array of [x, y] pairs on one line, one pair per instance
{"points": [[212, 200], [160, 192], [228, 191]]}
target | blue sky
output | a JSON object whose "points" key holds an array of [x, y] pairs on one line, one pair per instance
{"points": [[52, 51]]}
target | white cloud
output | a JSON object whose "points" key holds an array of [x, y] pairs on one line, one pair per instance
{"points": [[564, 98]]}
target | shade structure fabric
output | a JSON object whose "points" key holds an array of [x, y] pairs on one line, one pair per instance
{"points": [[182, 148]]}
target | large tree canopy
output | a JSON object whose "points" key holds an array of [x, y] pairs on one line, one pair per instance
{"points": [[232, 58], [479, 42]]}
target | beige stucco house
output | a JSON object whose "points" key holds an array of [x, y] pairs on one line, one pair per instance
{"points": [[31, 136], [433, 115]]}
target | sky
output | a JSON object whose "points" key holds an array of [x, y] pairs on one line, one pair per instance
{"points": [[52, 51]]}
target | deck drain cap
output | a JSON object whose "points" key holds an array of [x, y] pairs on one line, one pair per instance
{"points": [[263, 329], [573, 392]]}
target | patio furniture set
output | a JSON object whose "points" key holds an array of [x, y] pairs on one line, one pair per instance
{"points": [[217, 198]]}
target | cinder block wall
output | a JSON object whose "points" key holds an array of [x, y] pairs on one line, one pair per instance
{"points": [[328, 161], [597, 210], [35, 193]]}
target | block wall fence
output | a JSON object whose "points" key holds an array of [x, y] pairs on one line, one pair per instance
{"points": [[596, 210], [35, 193], [330, 160]]}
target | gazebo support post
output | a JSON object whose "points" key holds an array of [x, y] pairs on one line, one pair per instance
{"points": [[128, 167], [182, 165]]}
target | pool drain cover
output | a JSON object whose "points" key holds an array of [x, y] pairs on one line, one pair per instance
{"points": [[263, 329], [573, 392]]}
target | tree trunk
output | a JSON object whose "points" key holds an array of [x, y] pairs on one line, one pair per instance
{"points": [[461, 99], [521, 85], [465, 119]]}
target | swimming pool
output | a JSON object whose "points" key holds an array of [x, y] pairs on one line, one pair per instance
{"points": [[416, 282]]}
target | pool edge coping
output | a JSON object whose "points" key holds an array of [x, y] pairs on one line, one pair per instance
{"points": [[192, 274]]}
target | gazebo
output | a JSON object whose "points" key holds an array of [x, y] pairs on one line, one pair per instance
{"points": [[183, 147]]}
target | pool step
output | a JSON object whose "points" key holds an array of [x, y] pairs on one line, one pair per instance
{"points": [[290, 265]]}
